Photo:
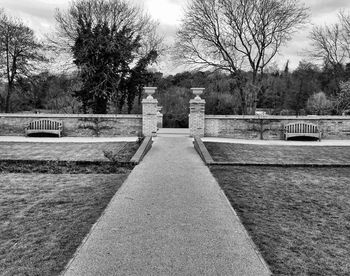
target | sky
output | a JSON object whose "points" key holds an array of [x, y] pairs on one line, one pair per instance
{"points": [[39, 15]]}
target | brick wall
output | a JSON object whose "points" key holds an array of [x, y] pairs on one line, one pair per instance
{"points": [[196, 118], [76, 125], [149, 117], [271, 127]]}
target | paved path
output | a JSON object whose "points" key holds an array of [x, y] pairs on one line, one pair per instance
{"points": [[23, 139], [169, 218], [323, 143]]}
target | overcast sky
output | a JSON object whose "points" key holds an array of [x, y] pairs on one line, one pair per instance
{"points": [[39, 15]]}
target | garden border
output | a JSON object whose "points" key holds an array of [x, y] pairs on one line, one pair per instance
{"points": [[285, 165], [202, 150], [62, 167], [208, 160]]}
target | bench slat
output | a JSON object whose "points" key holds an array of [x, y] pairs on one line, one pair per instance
{"points": [[45, 125], [301, 129]]}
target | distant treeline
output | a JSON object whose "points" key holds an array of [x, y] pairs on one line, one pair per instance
{"points": [[307, 90], [110, 46]]}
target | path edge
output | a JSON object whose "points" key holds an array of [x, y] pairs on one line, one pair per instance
{"points": [[283, 165], [87, 236], [202, 150], [246, 233], [208, 160], [142, 150], [135, 160]]}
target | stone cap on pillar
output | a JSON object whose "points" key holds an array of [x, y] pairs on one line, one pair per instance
{"points": [[150, 91], [197, 91]]}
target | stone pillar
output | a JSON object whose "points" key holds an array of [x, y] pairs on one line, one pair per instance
{"points": [[159, 117], [149, 113], [196, 118]]}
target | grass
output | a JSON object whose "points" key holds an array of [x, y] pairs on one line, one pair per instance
{"points": [[44, 218], [243, 153], [298, 217], [51, 195], [66, 151]]}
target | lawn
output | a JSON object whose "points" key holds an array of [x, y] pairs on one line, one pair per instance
{"points": [[266, 154], [66, 151], [298, 217], [44, 218], [48, 207]]}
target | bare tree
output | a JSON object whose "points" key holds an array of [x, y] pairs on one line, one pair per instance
{"points": [[331, 43], [236, 35], [345, 21], [19, 52], [3, 18]]}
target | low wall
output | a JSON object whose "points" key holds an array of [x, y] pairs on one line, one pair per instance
{"points": [[271, 127], [76, 125]]}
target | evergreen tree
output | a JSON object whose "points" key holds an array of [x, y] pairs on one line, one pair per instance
{"points": [[112, 43]]}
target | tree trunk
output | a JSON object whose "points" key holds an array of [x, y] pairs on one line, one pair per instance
{"points": [[240, 86], [298, 105], [256, 87], [243, 101], [255, 100], [8, 97]]}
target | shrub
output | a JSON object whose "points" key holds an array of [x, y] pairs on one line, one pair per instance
{"points": [[318, 104], [342, 100]]}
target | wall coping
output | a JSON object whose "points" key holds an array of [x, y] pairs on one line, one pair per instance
{"points": [[271, 117], [71, 116]]}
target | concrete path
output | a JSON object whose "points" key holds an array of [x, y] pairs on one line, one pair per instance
{"points": [[169, 218], [323, 143], [23, 139], [173, 132]]}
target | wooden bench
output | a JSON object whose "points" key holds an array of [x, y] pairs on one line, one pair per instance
{"points": [[299, 129], [44, 126]]}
